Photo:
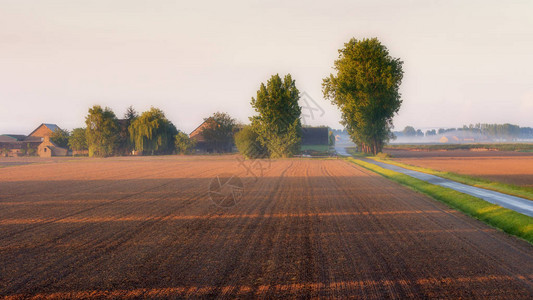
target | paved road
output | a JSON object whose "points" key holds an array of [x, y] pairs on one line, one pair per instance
{"points": [[521, 205]]}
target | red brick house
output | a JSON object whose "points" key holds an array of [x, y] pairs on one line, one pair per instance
{"points": [[36, 143]]}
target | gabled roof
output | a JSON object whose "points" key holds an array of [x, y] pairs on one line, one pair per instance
{"points": [[198, 130], [52, 127]]}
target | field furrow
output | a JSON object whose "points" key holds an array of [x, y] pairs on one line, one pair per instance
{"points": [[147, 227]]}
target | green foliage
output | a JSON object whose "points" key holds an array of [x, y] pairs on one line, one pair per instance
{"points": [[505, 219], [60, 137], [219, 132], [152, 133], [248, 144], [77, 140], [366, 89], [101, 131], [278, 124], [382, 155], [124, 141], [184, 144]]}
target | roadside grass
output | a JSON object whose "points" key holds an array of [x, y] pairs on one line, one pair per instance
{"points": [[510, 189], [520, 147], [496, 216]]}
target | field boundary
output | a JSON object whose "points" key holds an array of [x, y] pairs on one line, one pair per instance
{"points": [[507, 220], [505, 188]]}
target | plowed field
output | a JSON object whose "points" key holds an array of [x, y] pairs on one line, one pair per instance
{"points": [[148, 227], [502, 166]]}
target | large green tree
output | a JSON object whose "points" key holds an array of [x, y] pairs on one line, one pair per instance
{"points": [[278, 123], [77, 140], [60, 137], [366, 89], [152, 133], [101, 131], [219, 131]]}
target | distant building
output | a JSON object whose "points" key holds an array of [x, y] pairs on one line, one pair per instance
{"points": [[48, 149], [197, 135], [315, 139], [449, 139], [36, 143], [204, 146]]}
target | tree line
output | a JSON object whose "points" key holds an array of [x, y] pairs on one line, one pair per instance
{"points": [[365, 87], [498, 131], [149, 133]]}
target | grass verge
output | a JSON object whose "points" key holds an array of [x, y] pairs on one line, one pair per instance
{"points": [[510, 189], [496, 216]]}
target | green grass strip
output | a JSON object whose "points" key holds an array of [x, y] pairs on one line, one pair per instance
{"points": [[496, 216], [510, 189]]}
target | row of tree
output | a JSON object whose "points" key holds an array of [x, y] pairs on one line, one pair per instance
{"points": [[488, 130], [365, 88], [106, 135]]}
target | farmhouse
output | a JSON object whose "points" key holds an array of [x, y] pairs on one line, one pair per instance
{"points": [[197, 135], [36, 143]]}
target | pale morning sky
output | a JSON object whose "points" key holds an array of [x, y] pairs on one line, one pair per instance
{"points": [[464, 61]]}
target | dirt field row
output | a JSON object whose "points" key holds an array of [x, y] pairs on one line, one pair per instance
{"points": [[147, 227], [501, 166]]}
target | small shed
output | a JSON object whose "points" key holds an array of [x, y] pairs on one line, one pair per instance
{"points": [[48, 149]]}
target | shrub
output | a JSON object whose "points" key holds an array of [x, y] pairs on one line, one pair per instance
{"points": [[184, 144], [248, 144]]}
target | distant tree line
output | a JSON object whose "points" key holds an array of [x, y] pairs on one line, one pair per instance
{"points": [[495, 131]]}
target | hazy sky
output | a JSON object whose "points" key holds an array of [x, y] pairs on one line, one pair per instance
{"points": [[464, 61]]}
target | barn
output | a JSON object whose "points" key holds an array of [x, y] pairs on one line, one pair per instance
{"points": [[202, 145], [315, 140]]}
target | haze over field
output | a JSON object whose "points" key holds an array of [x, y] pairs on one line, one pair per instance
{"points": [[464, 62]]}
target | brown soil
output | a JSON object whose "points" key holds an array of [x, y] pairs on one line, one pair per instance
{"points": [[502, 166], [145, 227]]}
